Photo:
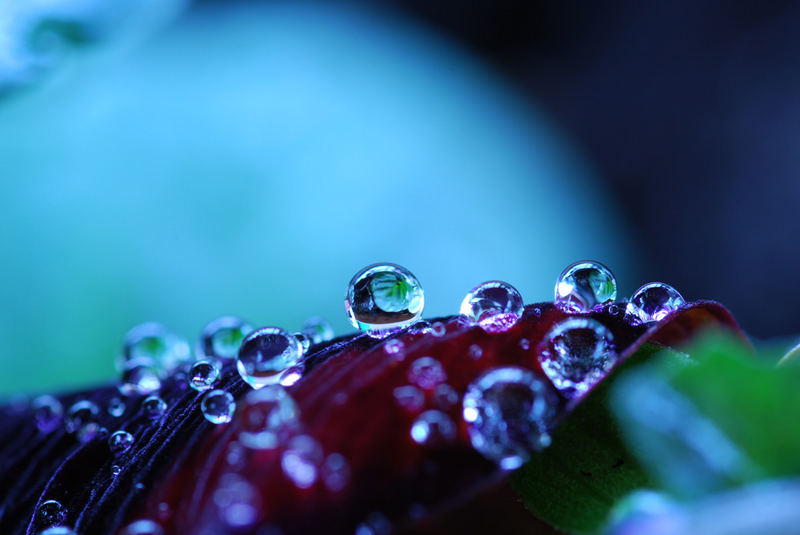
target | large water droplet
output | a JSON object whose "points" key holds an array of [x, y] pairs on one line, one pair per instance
{"points": [[139, 378], [143, 527], [652, 302], [47, 413], [265, 354], [383, 298], [49, 513], [495, 306], [335, 472], [576, 353], [584, 285], [508, 411], [119, 442], [218, 406], [432, 428], [221, 338], [426, 372], [318, 330], [266, 417], [81, 420], [203, 375], [301, 459], [154, 407], [154, 344]]}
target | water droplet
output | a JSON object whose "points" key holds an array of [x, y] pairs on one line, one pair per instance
{"points": [[143, 527], [438, 328], [393, 347], [218, 406], [265, 354], [47, 413], [139, 378], [116, 407], [301, 459], [653, 301], [266, 416], [335, 472], [154, 407], [445, 396], [50, 513], [115, 470], [152, 343], [495, 306], [426, 372], [305, 341], [410, 398], [81, 420], [475, 352], [58, 530], [375, 524], [614, 309], [584, 285], [221, 338], [203, 375], [524, 344], [576, 353], [318, 330], [508, 411], [238, 501], [119, 442], [383, 298], [433, 427]]}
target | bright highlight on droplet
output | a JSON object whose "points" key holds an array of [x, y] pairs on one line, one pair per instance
{"points": [[584, 285], [652, 302], [218, 407], [203, 375], [265, 354], [576, 353], [495, 306], [383, 298]]}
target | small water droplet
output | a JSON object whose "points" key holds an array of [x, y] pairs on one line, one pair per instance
{"points": [[408, 397], [238, 501], [139, 378], [445, 396], [614, 309], [495, 306], [47, 413], [220, 339], [394, 347], [50, 513], [115, 470], [203, 375], [152, 343], [119, 442], [383, 299], [426, 372], [266, 417], [584, 285], [433, 427], [507, 410], [305, 341], [524, 344], [116, 407], [576, 353], [475, 352], [265, 354], [218, 406], [81, 420], [154, 407], [335, 472], [291, 375], [652, 302], [438, 329], [301, 459], [318, 330], [58, 530], [143, 527]]}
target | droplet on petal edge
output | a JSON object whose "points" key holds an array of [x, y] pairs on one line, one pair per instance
{"points": [[584, 285], [495, 306], [652, 302], [266, 354], [382, 299]]}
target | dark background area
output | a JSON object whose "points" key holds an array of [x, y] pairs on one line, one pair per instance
{"points": [[689, 110]]}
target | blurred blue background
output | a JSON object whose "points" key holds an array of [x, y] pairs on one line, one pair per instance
{"points": [[171, 162]]}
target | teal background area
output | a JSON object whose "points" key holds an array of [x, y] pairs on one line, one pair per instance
{"points": [[249, 160]]}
